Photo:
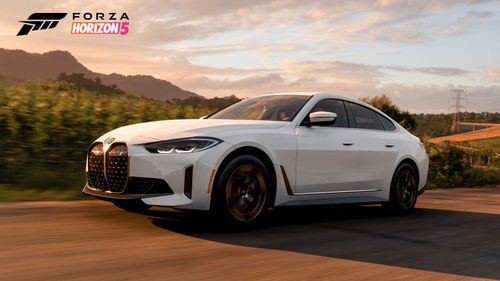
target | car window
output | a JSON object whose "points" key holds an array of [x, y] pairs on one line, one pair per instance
{"points": [[364, 117], [270, 108], [388, 125], [335, 106]]}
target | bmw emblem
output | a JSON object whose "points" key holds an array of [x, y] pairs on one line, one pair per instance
{"points": [[110, 140]]}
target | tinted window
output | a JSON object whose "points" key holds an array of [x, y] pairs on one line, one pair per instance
{"points": [[335, 106], [388, 125], [271, 108], [365, 118]]}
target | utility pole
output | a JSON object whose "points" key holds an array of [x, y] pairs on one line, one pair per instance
{"points": [[459, 97]]}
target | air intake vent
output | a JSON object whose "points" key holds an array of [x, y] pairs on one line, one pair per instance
{"points": [[147, 186], [188, 181]]}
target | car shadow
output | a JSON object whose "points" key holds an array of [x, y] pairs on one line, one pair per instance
{"points": [[463, 243]]}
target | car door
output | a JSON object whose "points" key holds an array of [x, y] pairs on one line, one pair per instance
{"points": [[327, 156], [378, 146]]}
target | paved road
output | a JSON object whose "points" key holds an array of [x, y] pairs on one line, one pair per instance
{"points": [[452, 235]]}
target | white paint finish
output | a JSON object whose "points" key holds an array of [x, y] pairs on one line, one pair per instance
{"points": [[315, 158], [327, 159], [376, 160]]}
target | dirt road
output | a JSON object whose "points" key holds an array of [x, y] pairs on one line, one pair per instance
{"points": [[452, 235]]}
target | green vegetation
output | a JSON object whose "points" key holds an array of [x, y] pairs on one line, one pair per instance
{"points": [[46, 128], [437, 125], [383, 103], [484, 144], [450, 165], [83, 83], [17, 193]]}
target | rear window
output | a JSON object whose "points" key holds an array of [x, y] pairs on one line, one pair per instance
{"points": [[388, 125], [365, 118]]}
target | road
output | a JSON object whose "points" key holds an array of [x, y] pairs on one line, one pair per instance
{"points": [[453, 234]]}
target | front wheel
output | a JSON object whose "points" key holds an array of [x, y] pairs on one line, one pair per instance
{"points": [[404, 189], [242, 191]]}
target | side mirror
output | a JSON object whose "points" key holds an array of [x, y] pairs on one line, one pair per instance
{"points": [[203, 117], [322, 118]]}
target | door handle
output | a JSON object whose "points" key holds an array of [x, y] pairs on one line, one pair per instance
{"points": [[347, 143], [389, 145]]}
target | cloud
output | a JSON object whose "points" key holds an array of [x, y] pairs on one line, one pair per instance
{"points": [[477, 14], [250, 82], [362, 71], [168, 31], [332, 69], [220, 47], [414, 98], [407, 22], [177, 21], [494, 73], [438, 71], [399, 35]]}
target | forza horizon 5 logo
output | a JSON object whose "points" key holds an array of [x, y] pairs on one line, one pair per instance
{"points": [[83, 23]]}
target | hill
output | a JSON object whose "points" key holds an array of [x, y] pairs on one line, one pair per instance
{"points": [[19, 65]]}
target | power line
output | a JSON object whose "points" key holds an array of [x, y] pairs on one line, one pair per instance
{"points": [[457, 106]]}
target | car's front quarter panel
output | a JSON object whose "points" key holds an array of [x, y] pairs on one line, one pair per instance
{"points": [[171, 168], [280, 145]]}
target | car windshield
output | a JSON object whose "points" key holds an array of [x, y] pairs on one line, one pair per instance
{"points": [[270, 108]]}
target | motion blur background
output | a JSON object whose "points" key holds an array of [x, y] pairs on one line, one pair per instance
{"points": [[431, 65]]}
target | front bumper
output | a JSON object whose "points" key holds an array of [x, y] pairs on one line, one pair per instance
{"points": [[87, 190], [171, 168]]}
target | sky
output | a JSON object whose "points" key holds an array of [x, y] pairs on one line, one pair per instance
{"points": [[415, 52]]}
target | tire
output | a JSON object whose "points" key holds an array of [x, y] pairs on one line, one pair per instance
{"points": [[404, 190], [242, 192], [133, 205]]}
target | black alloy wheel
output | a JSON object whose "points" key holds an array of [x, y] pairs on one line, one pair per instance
{"points": [[242, 191], [404, 189]]}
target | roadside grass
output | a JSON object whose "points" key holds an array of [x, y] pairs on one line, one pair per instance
{"points": [[492, 144], [15, 193], [463, 164]]}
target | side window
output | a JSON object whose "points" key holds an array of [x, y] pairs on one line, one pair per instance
{"points": [[335, 106], [365, 118], [388, 125]]}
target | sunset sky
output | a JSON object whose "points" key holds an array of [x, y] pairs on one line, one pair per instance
{"points": [[413, 51]]}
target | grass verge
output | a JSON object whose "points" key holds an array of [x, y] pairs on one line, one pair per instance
{"points": [[14, 193]]}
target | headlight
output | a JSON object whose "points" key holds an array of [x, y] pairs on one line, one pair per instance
{"points": [[186, 145]]}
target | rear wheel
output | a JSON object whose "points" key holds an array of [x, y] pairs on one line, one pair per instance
{"points": [[133, 205], [242, 191], [404, 189]]}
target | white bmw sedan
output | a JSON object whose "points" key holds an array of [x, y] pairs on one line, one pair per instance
{"points": [[286, 149]]}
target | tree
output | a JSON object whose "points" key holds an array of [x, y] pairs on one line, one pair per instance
{"points": [[385, 104]]}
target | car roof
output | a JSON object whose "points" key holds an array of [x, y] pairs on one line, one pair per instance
{"points": [[316, 94]]}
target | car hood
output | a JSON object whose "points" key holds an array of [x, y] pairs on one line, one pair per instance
{"points": [[173, 129]]}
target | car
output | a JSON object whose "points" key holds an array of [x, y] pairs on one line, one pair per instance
{"points": [[285, 149]]}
